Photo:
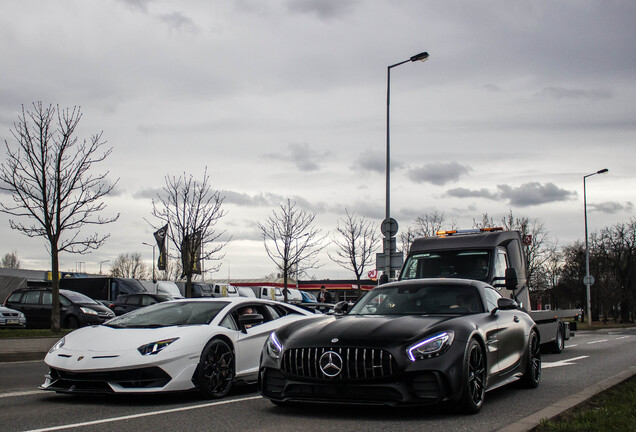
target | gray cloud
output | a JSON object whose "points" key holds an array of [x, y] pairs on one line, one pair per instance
{"points": [[534, 193], [527, 194], [467, 193], [178, 21], [438, 173], [246, 200], [148, 193], [324, 9], [302, 155], [565, 93], [612, 207], [375, 162]]}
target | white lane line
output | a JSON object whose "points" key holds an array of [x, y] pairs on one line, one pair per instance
{"points": [[570, 346], [597, 341], [566, 362], [622, 337], [136, 416], [24, 393]]}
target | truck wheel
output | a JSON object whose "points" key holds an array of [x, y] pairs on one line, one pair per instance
{"points": [[556, 347]]}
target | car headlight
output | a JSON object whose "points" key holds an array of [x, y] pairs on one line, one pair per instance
{"points": [[274, 347], [430, 347], [155, 347], [88, 311], [59, 344]]}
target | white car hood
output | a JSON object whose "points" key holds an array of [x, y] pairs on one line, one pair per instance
{"points": [[103, 338]]}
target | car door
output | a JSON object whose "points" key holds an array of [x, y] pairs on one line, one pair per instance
{"points": [[510, 334], [32, 308]]}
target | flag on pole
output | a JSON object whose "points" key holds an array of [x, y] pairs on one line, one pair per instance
{"points": [[160, 237], [191, 253]]}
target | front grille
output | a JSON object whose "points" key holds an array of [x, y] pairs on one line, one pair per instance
{"points": [[152, 377], [357, 363]]}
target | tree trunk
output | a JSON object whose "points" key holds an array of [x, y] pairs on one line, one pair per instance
{"points": [[55, 288]]}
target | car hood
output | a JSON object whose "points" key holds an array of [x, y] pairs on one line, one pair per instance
{"points": [[357, 330], [104, 339]]}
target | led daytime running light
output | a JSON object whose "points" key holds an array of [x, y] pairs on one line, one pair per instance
{"points": [[155, 347], [431, 347]]}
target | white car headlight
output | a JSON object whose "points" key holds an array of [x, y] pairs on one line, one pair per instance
{"points": [[59, 344], [432, 346], [88, 311], [274, 347], [155, 347]]}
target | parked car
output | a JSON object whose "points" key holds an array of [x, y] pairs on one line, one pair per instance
{"points": [[199, 289], [308, 297], [205, 344], [224, 290], [76, 310], [130, 302], [420, 341], [11, 318], [245, 291]]}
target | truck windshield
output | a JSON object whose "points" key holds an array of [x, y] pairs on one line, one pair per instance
{"points": [[471, 264]]}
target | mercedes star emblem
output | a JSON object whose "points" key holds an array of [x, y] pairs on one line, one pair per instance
{"points": [[330, 363]]}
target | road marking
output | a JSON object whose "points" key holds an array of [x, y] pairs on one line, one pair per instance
{"points": [[567, 362], [136, 416], [570, 346], [597, 341], [24, 393], [622, 337]]}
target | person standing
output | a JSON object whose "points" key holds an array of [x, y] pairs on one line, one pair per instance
{"points": [[324, 296]]}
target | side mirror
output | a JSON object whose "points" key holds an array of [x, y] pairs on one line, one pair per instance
{"points": [[250, 320], [341, 308], [512, 280], [505, 304]]}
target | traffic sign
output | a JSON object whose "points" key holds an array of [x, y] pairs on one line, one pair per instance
{"points": [[389, 227], [588, 280]]}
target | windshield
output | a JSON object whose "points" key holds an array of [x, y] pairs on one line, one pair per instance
{"points": [[76, 297], [473, 264], [420, 300], [169, 314]]}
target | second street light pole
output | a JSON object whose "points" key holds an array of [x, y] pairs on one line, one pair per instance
{"points": [[389, 227], [588, 280]]}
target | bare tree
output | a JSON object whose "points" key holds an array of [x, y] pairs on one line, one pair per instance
{"points": [[49, 175], [291, 241], [429, 224], [192, 209], [485, 222], [356, 243], [10, 260], [129, 265]]}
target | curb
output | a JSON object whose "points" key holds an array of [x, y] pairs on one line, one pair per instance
{"points": [[533, 420]]}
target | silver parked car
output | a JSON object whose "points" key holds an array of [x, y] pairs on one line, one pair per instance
{"points": [[11, 318]]}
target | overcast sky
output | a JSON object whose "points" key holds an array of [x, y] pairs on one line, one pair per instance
{"points": [[287, 99]]}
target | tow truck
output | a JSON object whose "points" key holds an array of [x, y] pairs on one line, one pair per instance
{"points": [[491, 255]]}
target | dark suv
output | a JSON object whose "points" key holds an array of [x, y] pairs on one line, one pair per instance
{"points": [[76, 310], [129, 302]]}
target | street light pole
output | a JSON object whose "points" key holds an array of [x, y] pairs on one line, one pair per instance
{"points": [[587, 280], [100, 265], [387, 249], [154, 279]]}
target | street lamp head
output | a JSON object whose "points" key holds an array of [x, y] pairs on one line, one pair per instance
{"points": [[603, 171], [420, 57]]}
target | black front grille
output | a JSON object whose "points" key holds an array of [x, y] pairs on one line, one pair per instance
{"points": [[357, 363], [152, 377]]}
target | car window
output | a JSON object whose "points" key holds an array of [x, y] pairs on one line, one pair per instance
{"points": [[229, 322], [491, 298], [147, 300], [273, 312], [64, 301], [132, 300], [31, 297], [170, 314], [47, 298], [15, 297]]}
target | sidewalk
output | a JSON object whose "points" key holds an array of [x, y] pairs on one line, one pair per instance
{"points": [[22, 349]]}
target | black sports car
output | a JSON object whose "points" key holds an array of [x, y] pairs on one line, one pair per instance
{"points": [[405, 343]]}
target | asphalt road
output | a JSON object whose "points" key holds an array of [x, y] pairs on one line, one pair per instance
{"points": [[590, 358]]}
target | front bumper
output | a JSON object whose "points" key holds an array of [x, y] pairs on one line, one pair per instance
{"points": [[405, 383]]}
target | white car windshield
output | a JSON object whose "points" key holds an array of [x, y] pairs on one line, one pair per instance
{"points": [[420, 300], [169, 314]]}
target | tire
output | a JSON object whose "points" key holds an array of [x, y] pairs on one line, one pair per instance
{"points": [[216, 370], [557, 346], [532, 373], [71, 322], [474, 378]]}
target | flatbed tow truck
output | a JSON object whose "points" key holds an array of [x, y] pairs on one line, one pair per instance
{"points": [[491, 255]]}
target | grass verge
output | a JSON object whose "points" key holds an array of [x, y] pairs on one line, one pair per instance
{"points": [[611, 410]]}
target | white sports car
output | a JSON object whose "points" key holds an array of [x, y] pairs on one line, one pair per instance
{"points": [[204, 343]]}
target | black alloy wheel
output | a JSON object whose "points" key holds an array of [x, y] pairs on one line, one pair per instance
{"points": [[474, 385], [532, 373], [216, 369]]}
